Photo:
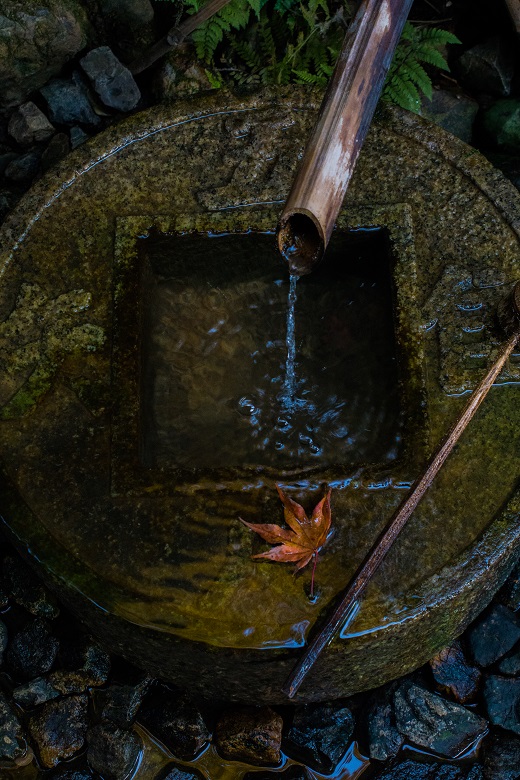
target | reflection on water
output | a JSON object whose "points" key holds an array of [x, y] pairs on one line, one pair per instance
{"points": [[242, 366]]}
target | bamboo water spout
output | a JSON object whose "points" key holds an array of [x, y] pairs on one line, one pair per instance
{"points": [[320, 185]]}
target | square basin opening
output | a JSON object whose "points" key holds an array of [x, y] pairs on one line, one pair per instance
{"points": [[241, 369]]}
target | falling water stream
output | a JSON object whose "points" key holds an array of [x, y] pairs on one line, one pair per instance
{"points": [[290, 370]]}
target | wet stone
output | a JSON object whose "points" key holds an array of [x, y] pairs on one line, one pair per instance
{"points": [[384, 738], [112, 752], [58, 729], [502, 697], [177, 722], [320, 734], [119, 704], [114, 83], [27, 590], [293, 773], [12, 739], [23, 168], [68, 103], [510, 593], [453, 112], [172, 772], [501, 757], [487, 68], [57, 148], [77, 136], [28, 125], [454, 675], [502, 125], [510, 664], [34, 693], [493, 635], [3, 640], [250, 734], [84, 664], [415, 770], [432, 723], [69, 773], [32, 651]]}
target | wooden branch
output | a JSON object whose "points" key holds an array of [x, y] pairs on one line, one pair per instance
{"points": [[514, 10], [345, 115], [176, 36], [350, 601]]}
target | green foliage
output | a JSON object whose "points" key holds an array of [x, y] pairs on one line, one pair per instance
{"points": [[407, 78], [256, 42]]}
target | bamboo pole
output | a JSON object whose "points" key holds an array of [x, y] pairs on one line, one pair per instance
{"points": [[349, 604], [346, 112], [176, 36]]}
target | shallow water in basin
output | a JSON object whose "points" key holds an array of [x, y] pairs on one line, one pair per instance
{"points": [[221, 386]]}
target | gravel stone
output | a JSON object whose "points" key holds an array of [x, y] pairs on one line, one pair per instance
{"points": [[455, 113], [32, 651], [27, 590], [494, 635], [57, 149], [13, 745], [510, 664], [84, 664], [510, 593], [119, 704], [250, 734], [68, 103], [415, 770], [37, 37], [320, 734], [433, 723], [24, 168], [58, 729], [28, 125], [77, 136], [454, 675], [384, 739], [172, 772], [487, 68], [3, 639], [502, 697], [67, 773], [34, 693], [177, 722], [501, 756], [114, 83], [112, 752]]}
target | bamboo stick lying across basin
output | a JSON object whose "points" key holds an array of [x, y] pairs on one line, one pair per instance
{"points": [[347, 109]]}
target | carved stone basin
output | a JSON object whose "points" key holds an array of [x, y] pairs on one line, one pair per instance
{"points": [[143, 317]]}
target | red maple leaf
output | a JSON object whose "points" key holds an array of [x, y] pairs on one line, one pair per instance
{"points": [[302, 541]]}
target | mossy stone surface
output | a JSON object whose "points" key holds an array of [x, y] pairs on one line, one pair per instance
{"points": [[157, 563]]}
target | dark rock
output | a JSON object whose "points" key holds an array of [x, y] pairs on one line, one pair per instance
{"points": [[510, 593], [415, 770], [119, 704], [34, 693], [28, 125], [58, 729], [37, 37], [68, 103], [493, 635], [129, 22], [23, 168], [57, 149], [7, 202], [173, 772], [112, 752], [84, 663], [293, 773], [502, 697], [454, 112], [5, 159], [384, 738], [502, 124], [179, 75], [13, 745], [433, 723], [320, 734], [454, 674], [510, 664], [501, 757], [487, 68], [32, 651], [177, 722], [77, 137], [250, 734], [114, 83], [3, 640], [27, 590], [69, 773]]}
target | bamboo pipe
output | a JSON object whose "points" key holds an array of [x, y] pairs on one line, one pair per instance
{"points": [[347, 109]]}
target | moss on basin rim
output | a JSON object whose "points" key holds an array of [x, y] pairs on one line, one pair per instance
{"points": [[153, 558]]}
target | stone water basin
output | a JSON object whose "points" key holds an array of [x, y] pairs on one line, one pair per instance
{"points": [[143, 350]]}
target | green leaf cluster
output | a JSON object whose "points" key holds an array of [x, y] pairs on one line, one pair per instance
{"points": [[407, 77]]}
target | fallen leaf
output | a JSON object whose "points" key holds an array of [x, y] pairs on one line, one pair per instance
{"points": [[302, 541]]}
